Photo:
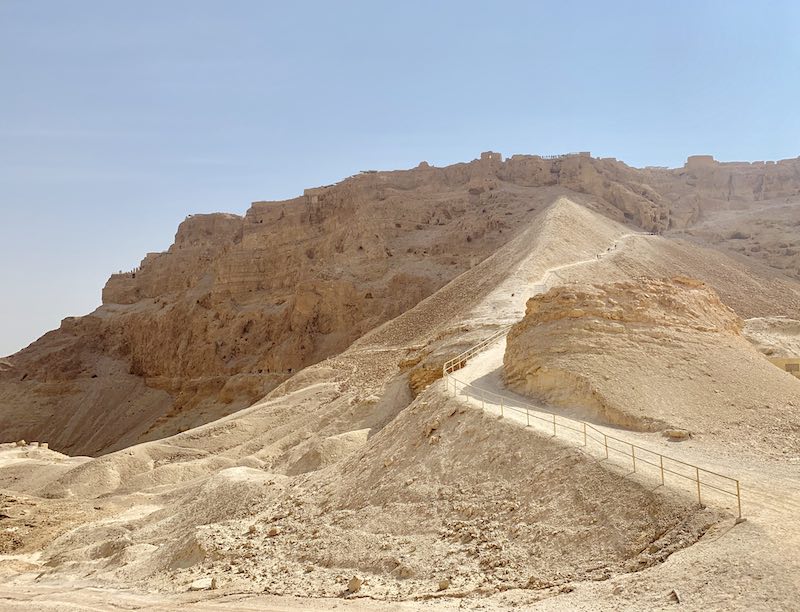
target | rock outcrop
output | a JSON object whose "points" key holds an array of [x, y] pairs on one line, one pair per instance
{"points": [[624, 353], [239, 304]]}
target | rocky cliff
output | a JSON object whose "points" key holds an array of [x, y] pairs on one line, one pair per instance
{"points": [[649, 355], [238, 304]]}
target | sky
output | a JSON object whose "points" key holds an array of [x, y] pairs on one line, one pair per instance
{"points": [[118, 119]]}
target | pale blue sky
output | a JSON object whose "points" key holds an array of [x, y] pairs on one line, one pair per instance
{"points": [[117, 119]]}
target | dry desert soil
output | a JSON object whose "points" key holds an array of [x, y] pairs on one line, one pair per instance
{"points": [[259, 418]]}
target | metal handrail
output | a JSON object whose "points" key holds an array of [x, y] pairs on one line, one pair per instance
{"points": [[581, 427]]}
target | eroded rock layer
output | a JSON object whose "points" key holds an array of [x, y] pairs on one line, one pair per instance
{"points": [[630, 353], [238, 304]]}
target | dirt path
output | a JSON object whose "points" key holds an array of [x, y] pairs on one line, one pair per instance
{"points": [[481, 382], [766, 544], [609, 251]]}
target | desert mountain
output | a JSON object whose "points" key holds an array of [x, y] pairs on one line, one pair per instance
{"points": [[362, 464], [237, 305]]}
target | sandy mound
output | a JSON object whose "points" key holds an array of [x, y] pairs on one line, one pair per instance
{"points": [[444, 492], [318, 453], [31, 467], [649, 354]]}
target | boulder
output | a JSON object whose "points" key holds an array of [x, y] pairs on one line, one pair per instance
{"points": [[203, 584], [677, 435], [355, 584]]}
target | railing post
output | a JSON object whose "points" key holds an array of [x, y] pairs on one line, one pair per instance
{"points": [[468, 391], [739, 499], [697, 476]]}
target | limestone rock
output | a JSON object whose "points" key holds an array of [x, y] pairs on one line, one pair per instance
{"points": [[403, 571], [203, 584], [677, 435], [355, 584], [646, 354], [422, 376]]}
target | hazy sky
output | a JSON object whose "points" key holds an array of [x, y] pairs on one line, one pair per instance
{"points": [[117, 119]]}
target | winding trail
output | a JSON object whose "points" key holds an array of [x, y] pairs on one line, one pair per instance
{"points": [[770, 491], [581, 262]]}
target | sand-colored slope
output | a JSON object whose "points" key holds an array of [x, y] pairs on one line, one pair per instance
{"points": [[494, 293], [750, 288], [569, 234], [239, 304], [649, 355], [354, 390], [63, 410], [444, 492], [768, 232], [753, 566], [434, 491]]}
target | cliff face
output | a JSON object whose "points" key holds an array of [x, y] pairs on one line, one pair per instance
{"points": [[740, 181], [650, 354], [239, 304], [684, 196]]}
